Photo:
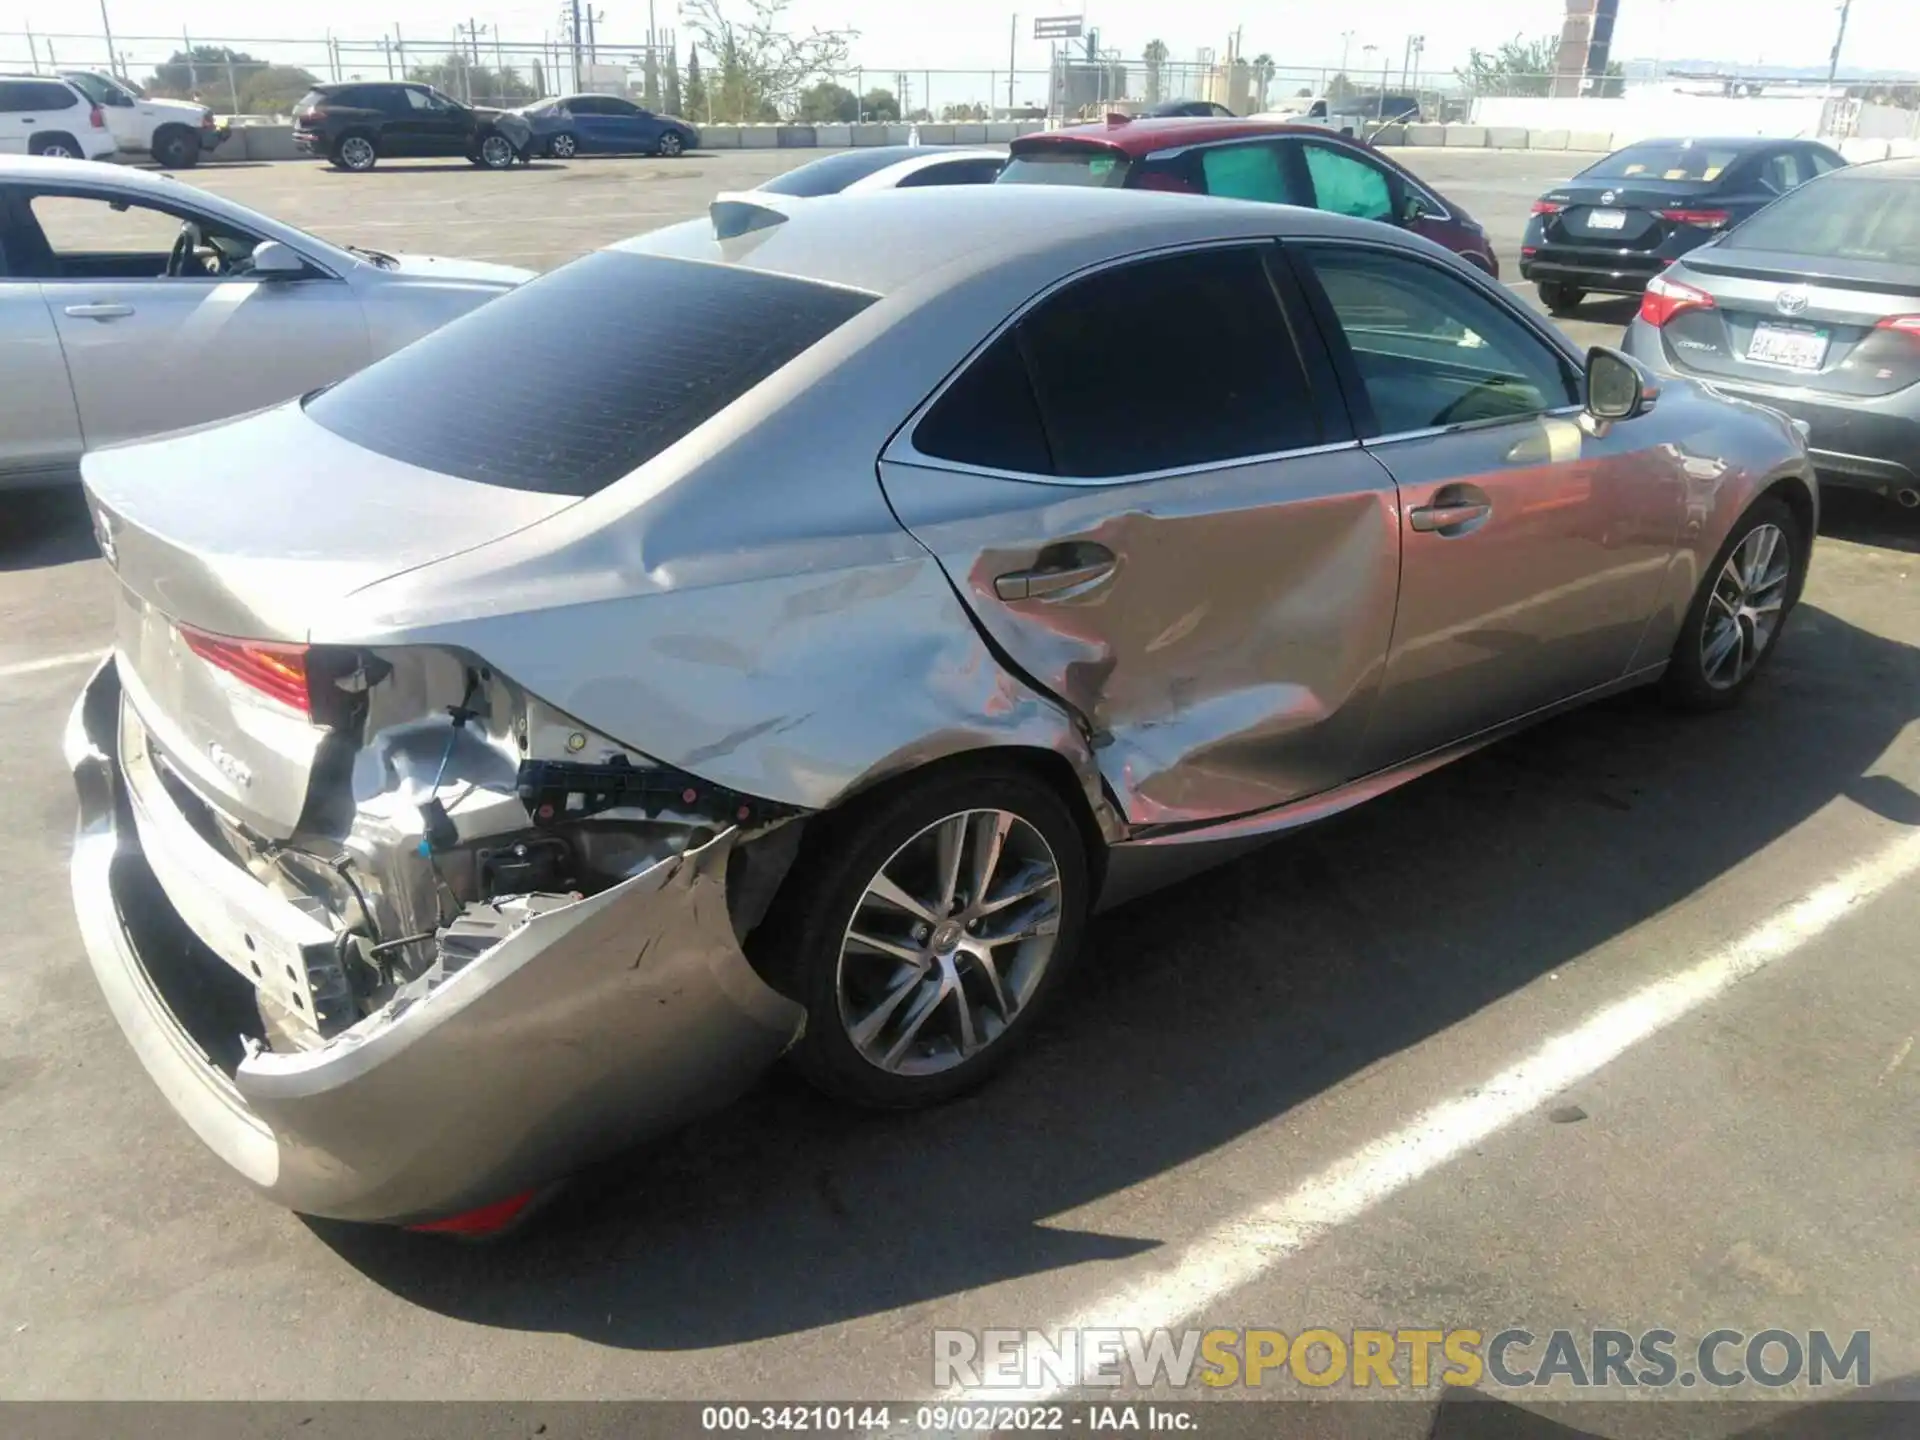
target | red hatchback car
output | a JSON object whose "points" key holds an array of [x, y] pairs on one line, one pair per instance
{"points": [[1249, 160]]}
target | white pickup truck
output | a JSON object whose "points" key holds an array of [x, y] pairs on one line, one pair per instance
{"points": [[174, 132]]}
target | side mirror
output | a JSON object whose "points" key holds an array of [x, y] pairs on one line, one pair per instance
{"points": [[1617, 388], [274, 261]]}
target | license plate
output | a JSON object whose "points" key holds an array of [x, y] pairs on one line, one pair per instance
{"points": [[1788, 346], [1607, 220]]}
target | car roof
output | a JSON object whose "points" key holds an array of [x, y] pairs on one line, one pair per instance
{"points": [[29, 75], [1906, 167], [1152, 133], [1723, 142], [886, 241]]}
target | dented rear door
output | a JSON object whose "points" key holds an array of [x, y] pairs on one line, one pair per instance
{"points": [[1146, 496]]}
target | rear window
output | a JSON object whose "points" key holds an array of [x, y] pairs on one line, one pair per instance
{"points": [[1066, 165], [312, 100], [1845, 218], [1665, 160], [577, 378], [831, 175]]}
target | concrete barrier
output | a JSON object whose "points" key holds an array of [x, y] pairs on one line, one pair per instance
{"points": [[1466, 137], [260, 142], [935, 134], [1390, 135], [832, 137], [1506, 137], [871, 133], [969, 134], [1902, 149], [1589, 140], [1858, 150], [999, 132], [720, 137], [1427, 134], [1546, 139], [794, 137], [759, 137], [898, 134]]}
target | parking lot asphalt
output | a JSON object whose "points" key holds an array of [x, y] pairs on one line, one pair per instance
{"points": [[1609, 1026]]}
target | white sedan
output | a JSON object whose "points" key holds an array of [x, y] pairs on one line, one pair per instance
{"points": [[132, 304]]}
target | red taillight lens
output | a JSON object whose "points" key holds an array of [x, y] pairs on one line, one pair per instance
{"points": [[1908, 325], [275, 670], [98, 119], [1547, 207], [1705, 219], [1667, 298]]}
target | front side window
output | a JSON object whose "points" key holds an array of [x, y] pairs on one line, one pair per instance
{"points": [[1168, 363], [1344, 184], [1782, 172], [616, 357], [91, 238], [1251, 172], [1431, 349]]}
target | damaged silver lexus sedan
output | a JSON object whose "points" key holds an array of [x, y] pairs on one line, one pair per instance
{"points": [[842, 606]]}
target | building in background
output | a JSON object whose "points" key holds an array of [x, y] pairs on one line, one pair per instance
{"points": [[1586, 43]]}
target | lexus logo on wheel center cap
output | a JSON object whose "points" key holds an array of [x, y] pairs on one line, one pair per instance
{"points": [[1790, 301]]}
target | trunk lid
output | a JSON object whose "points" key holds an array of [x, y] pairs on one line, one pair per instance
{"points": [[201, 535], [1774, 322], [1621, 214]]}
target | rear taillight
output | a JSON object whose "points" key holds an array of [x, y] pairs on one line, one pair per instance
{"points": [[98, 119], [307, 119], [1705, 219], [275, 670], [1547, 207], [1667, 298], [1908, 325]]}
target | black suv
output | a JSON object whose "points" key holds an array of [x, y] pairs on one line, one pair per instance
{"points": [[356, 125]]}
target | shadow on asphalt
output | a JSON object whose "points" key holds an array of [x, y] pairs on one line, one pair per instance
{"points": [[45, 527], [403, 166], [1603, 310], [1887, 1410], [1196, 1016]]}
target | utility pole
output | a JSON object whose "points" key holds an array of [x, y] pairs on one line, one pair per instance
{"points": [[1833, 65], [1013, 40], [113, 61], [400, 49], [1346, 49]]}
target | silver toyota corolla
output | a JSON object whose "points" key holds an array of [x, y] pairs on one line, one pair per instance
{"points": [[131, 304], [842, 605]]}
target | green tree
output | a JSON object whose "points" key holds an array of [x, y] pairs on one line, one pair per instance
{"points": [[1340, 89], [672, 83], [198, 71], [1263, 68], [879, 104], [696, 90], [272, 89], [1155, 59], [1526, 67], [827, 103], [459, 78], [762, 66]]}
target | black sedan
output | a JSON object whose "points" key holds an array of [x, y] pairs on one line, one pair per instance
{"points": [[1620, 222], [570, 125]]}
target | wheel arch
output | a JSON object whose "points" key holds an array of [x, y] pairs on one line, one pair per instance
{"points": [[41, 137]]}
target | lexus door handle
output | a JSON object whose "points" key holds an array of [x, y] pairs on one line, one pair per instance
{"points": [[99, 312], [1449, 516], [1052, 584]]}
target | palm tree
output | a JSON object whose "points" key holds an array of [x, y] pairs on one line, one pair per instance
{"points": [[1263, 68], [1155, 56]]}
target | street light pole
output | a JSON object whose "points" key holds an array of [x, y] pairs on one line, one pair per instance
{"points": [[1346, 49], [113, 62], [1833, 65], [1013, 41]]}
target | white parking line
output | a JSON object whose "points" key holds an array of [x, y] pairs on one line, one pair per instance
{"points": [[1246, 1247], [51, 662]]}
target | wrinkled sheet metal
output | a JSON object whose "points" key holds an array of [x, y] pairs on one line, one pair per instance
{"points": [[589, 1028]]}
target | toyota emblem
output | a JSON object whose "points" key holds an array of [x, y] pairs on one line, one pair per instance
{"points": [[1791, 301]]}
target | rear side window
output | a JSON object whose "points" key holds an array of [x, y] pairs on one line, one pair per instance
{"points": [[29, 95], [958, 172], [988, 416], [575, 379], [1251, 172], [312, 100]]}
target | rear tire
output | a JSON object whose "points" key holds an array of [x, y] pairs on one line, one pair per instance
{"points": [[58, 146], [670, 145], [355, 153], [176, 148], [1725, 639], [563, 147], [1560, 298], [1028, 918]]}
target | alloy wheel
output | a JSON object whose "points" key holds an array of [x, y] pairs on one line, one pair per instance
{"points": [[356, 152], [57, 151], [496, 152], [562, 147], [670, 144], [1743, 611], [948, 942]]}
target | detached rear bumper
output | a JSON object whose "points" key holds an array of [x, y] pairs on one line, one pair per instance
{"points": [[588, 1028]]}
